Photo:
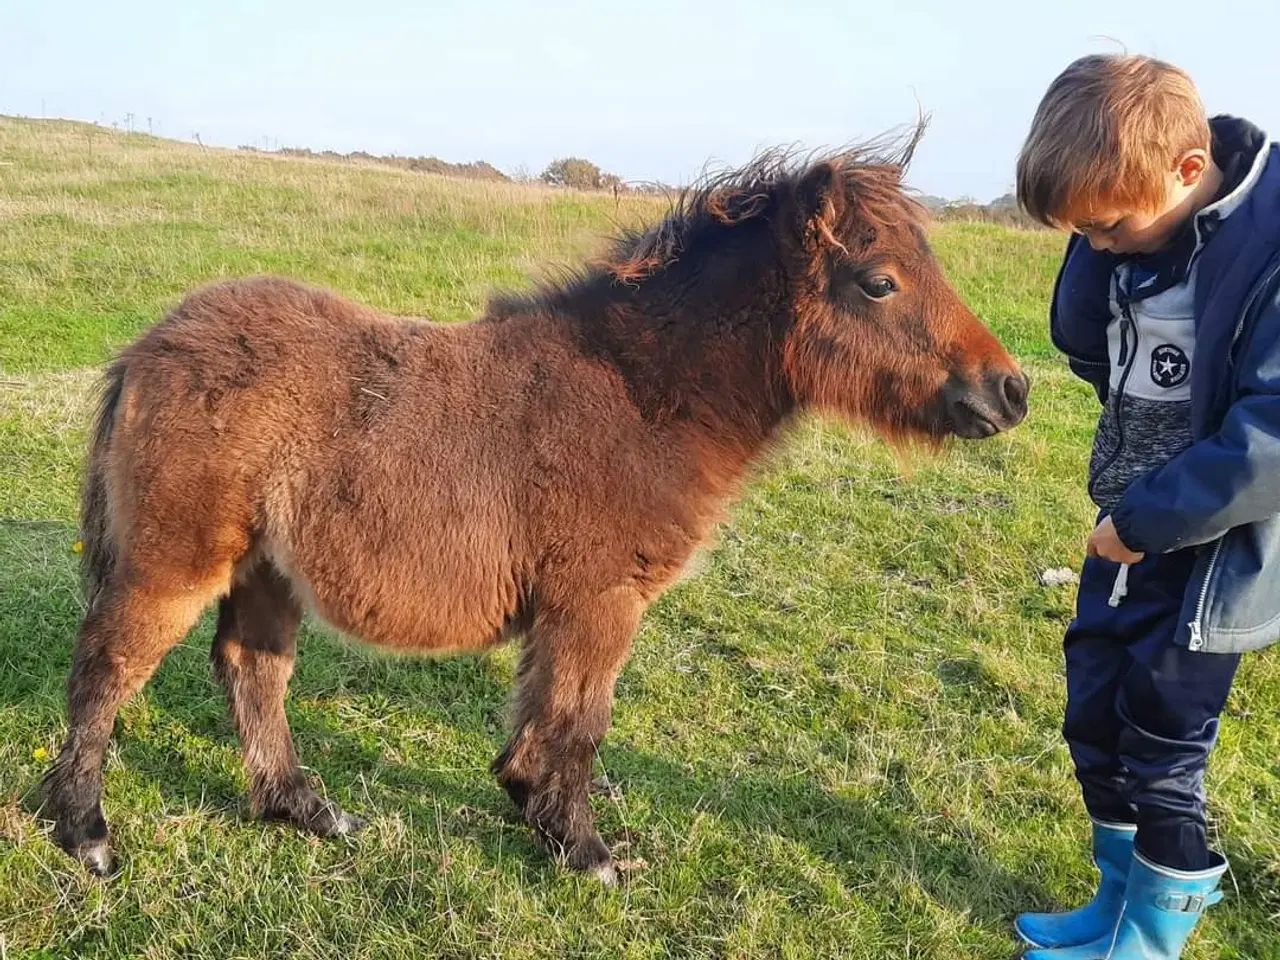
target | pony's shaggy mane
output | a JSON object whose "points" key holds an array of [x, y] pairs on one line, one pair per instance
{"points": [[870, 173]]}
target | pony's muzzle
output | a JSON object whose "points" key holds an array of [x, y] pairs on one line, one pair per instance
{"points": [[998, 402]]}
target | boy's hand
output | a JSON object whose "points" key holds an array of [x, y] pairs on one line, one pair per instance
{"points": [[1106, 543]]}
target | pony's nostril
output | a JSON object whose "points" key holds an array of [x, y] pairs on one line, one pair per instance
{"points": [[1014, 391]]}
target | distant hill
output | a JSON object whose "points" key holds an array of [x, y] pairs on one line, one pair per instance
{"points": [[573, 172], [1003, 210], [476, 170]]}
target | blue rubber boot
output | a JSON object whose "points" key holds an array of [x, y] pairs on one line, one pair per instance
{"points": [[1161, 907], [1112, 852], [1098, 949]]}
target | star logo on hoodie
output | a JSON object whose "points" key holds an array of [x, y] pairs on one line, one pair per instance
{"points": [[1170, 366]]}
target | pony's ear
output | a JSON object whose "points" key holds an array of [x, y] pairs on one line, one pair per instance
{"points": [[821, 201]]}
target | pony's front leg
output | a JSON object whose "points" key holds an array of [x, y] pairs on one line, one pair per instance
{"points": [[563, 704]]}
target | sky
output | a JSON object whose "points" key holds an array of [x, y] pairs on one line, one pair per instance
{"points": [[654, 91]]}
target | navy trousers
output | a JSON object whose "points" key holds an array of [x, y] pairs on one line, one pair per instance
{"points": [[1142, 712]]}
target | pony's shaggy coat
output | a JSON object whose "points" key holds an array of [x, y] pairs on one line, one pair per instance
{"points": [[542, 473]]}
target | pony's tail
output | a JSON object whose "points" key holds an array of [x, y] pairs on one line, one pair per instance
{"points": [[98, 554]]}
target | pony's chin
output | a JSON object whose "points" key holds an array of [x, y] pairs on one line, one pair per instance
{"points": [[980, 428], [928, 436]]}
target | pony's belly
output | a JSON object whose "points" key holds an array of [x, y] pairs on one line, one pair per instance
{"points": [[411, 612], [418, 629]]}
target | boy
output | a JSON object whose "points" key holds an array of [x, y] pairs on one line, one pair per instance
{"points": [[1168, 304]]}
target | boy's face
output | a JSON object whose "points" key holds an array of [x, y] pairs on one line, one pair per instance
{"points": [[1131, 231], [1189, 187]]}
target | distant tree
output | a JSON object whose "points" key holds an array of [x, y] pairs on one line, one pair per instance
{"points": [[578, 173]]}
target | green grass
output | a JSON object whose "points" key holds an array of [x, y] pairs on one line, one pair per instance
{"points": [[839, 740]]}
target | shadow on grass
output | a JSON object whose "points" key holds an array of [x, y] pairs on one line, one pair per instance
{"points": [[462, 700]]}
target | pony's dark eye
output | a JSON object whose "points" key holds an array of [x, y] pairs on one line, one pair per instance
{"points": [[878, 287]]}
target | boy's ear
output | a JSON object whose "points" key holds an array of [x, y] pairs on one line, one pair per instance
{"points": [[1192, 165], [821, 201]]}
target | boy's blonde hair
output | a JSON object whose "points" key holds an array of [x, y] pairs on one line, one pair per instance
{"points": [[1107, 134]]}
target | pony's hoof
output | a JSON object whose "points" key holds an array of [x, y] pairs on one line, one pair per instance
{"points": [[331, 821], [307, 811], [347, 824], [592, 858], [83, 836], [96, 857], [606, 873]]}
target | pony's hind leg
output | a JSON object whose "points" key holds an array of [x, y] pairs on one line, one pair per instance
{"points": [[563, 706], [122, 640], [253, 654]]}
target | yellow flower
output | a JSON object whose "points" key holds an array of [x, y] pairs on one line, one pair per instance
{"points": [[40, 753], [77, 547]]}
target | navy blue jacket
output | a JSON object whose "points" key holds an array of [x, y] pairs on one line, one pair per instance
{"points": [[1221, 496]]}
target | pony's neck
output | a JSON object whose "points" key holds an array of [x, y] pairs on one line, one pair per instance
{"points": [[699, 346]]}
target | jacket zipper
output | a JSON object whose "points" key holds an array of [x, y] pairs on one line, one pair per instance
{"points": [[1196, 639], [1196, 626], [1126, 360]]}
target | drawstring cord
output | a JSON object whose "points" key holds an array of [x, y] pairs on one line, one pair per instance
{"points": [[1120, 587]]}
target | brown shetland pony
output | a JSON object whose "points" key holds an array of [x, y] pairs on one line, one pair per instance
{"points": [[541, 473]]}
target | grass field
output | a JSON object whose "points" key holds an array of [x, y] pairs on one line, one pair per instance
{"points": [[840, 740]]}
